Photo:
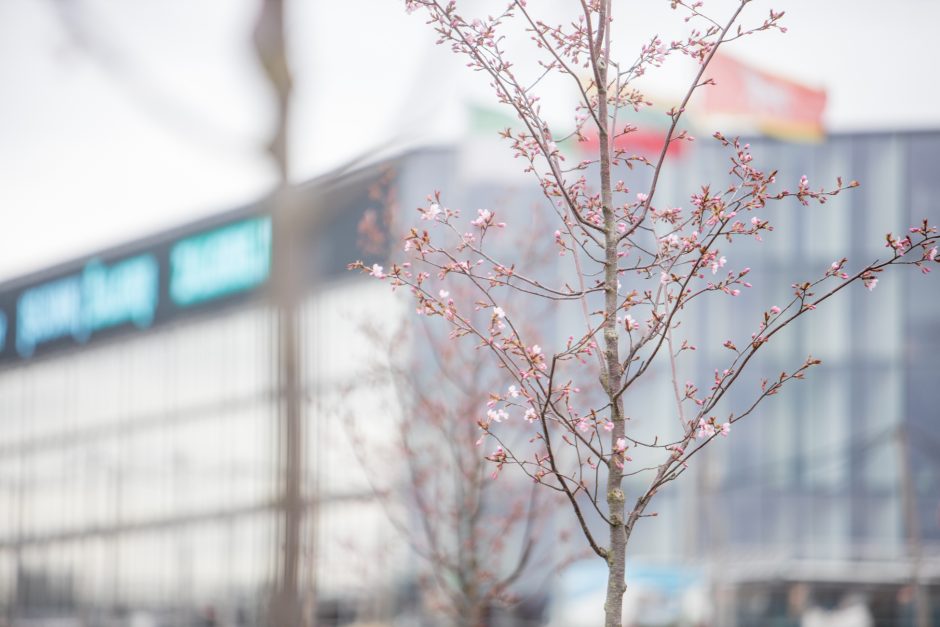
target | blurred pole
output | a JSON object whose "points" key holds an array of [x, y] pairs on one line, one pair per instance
{"points": [[912, 522], [117, 483], [285, 607]]}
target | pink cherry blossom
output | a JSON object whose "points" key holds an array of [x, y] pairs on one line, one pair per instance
{"points": [[431, 212], [497, 415], [705, 429], [631, 324], [718, 263], [484, 217]]}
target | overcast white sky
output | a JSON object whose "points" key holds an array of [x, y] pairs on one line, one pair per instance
{"points": [[120, 118]]}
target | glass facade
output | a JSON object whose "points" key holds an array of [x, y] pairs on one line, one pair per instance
{"points": [[142, 470], [815, 476], [138, 474]]}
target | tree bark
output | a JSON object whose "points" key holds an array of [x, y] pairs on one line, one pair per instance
{"points": [[616, 554]]}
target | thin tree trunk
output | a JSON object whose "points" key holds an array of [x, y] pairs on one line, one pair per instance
{"points": [[474, 616], [616, 556]]}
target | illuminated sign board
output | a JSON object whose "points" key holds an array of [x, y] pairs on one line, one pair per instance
{"points": [[99, 297], [193, 270], [102, 296], [230, 259]]}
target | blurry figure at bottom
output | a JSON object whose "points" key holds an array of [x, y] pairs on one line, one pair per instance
{"points": [[852, 612], [208, 618]]}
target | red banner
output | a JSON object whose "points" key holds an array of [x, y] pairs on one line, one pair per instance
{"points": [[646, 142], [771, 104]]}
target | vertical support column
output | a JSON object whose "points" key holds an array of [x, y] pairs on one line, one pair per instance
{"points": [[922, 611], [285, 608], [286, 605]]}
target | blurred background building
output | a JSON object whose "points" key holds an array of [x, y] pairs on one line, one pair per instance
{"points": [[143, 455], [143, 465]]}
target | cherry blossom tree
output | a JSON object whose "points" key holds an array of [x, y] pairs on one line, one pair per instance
{"points": [[631, 267], [475, 539]]}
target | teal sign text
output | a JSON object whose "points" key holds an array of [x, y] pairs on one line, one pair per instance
{"points": [[99, 297], [228, 260]]}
